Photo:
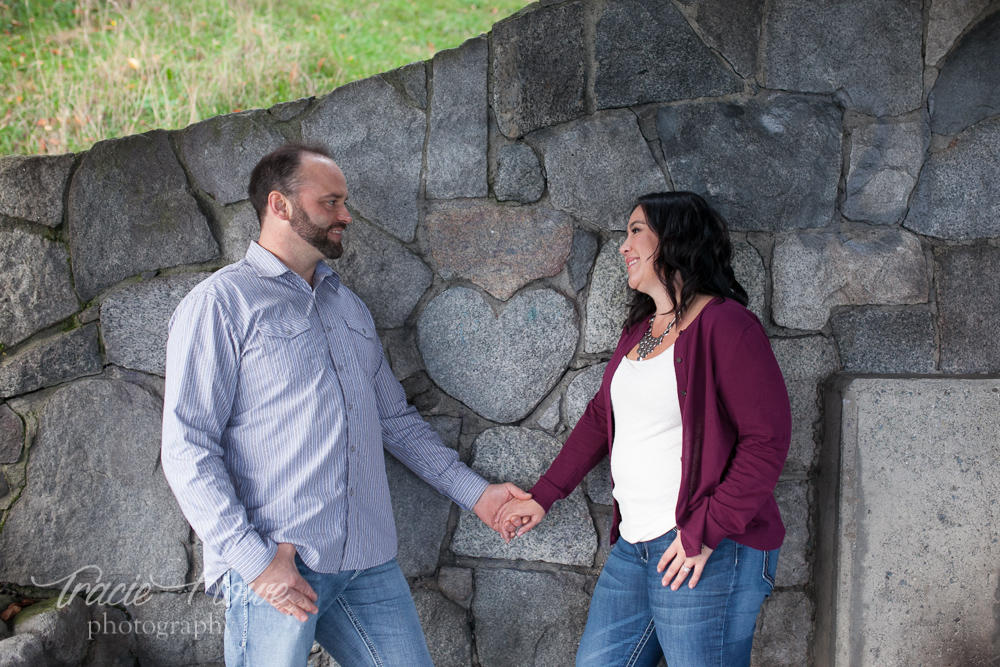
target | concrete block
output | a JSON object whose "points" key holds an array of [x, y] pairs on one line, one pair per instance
{"points": [[907, 558]]}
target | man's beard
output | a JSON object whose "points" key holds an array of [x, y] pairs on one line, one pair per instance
{"points": [[314, 235]]}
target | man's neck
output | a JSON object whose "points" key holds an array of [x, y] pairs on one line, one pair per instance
{"points": [[302, 263]]}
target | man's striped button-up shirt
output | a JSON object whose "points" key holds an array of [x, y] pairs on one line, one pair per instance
{"points": [[278, 404]]}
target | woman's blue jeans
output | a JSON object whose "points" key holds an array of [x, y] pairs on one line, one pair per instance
{"points": [[366, 618], [634, 620]]}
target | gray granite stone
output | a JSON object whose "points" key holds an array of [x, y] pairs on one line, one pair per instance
{"points": [[581, 257], [968, 88], [607, 302], [62, 629], [446, 629], [869, 51], [539, 69], [135, 321], [581, 389], [519, 174], [500, 365], [520, 455], [784, 630], [32, 187], [456, 584], [22, 651], [179, 629], [914, 508], [958, 194], [449, 428], [731, 27], [875, 340], [109, 646], [751, 274], [11, 436], [286, 111], [499, 248], [884, 165], [401, 348], [222, 151], [549, 418], [37, 290], [815, 271], [237, 228], [968, 286], [96, 495], [551, 612], [598, 166], [771, 163], [412, 80], [389, 278], [645, 51], [946, 21], [377, 139], [793, 562], [805, 363], [130, 212], [456, 144], [421, 516], [599, 484], [50, 361]]}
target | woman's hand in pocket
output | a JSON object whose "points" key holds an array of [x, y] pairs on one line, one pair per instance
{"points": [[679, 566]]}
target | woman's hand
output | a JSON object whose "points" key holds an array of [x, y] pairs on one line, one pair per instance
{"points": [[679, 566], [517, 517]]}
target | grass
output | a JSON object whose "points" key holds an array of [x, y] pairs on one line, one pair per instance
{"points": [[74, 72]]}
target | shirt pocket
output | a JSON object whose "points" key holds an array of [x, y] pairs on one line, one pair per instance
{"points": [[288, 345], [366, 345]]}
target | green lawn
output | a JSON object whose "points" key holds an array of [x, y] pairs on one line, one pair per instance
{"points": [[76, 72]]}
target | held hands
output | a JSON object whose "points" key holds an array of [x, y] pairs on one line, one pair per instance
{"points": [[680, 565], [516, 518], [494, 499], [283, 587]]}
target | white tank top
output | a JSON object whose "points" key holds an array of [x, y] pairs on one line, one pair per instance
{"points": [[646, 456]]}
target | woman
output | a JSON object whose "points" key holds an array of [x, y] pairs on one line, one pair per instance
{"points": [[697, 417]]}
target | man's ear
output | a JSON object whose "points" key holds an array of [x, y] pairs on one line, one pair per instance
{"points": [[279, 205]]}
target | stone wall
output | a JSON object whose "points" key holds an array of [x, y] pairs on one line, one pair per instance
{"points": [[852, 146]]}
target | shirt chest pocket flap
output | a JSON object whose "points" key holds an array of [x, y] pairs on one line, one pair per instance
{"points": [[366, 344], [287, 341]]}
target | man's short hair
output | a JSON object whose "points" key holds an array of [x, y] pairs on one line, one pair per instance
{"points": [[279, 171]]}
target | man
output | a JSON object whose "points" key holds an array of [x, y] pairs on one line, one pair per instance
{"points": [[278, 403]]}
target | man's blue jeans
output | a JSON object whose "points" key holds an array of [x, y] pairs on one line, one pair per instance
{"points": [[366, 618], [634, 620]]}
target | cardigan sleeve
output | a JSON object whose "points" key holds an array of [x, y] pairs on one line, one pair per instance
{"points": [[752, 392], [584, 449]]}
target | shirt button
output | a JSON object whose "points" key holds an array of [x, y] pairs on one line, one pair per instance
{"points": [[683, 393], [678, 360], [353, 448], [351, 492]]}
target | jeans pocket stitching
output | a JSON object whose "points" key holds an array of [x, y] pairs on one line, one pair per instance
{"points": [[764, 572]]}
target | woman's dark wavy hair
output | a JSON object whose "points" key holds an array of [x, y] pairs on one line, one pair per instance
{"points": [[694, 243]]}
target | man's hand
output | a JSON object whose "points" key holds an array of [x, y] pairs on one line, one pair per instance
{"points": [[281, 585], [518, 517], [494, 497]]}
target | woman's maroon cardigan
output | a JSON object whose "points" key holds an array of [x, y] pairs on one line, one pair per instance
{"points": [[737, 426]]}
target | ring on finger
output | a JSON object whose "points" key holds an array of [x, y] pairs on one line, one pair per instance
{"points": [[685, 570]]}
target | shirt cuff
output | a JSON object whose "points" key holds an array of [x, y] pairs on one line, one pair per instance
{"points": [[251, 556], [467, 488]]}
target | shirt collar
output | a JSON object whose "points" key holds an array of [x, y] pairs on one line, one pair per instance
{"points": [[268, 266]]}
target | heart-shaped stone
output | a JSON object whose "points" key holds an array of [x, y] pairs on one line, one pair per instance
{"points": [[501, 367]]}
